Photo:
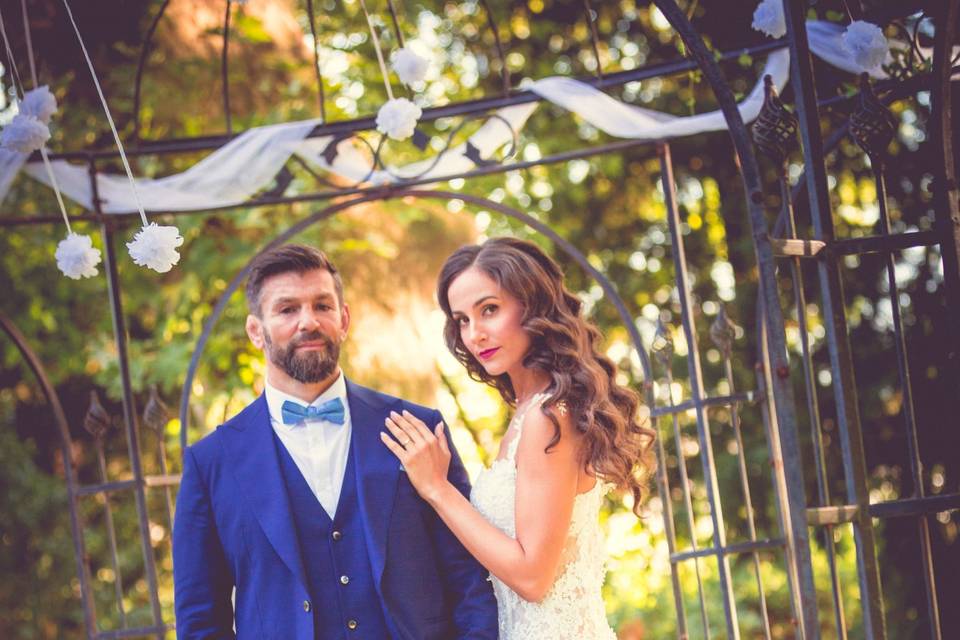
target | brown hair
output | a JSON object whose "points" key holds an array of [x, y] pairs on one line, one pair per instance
{"points": [[617, 446], [287, 258]]}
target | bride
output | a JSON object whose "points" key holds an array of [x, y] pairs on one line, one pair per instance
{"points": [[532, 518]]}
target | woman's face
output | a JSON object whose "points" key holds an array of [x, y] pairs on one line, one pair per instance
{"points": [[489, 319]]}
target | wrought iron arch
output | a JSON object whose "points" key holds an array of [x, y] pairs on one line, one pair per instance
{"points": [[63, 430]]}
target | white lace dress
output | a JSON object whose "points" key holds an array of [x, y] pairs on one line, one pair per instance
{"points": [[573, 608]]}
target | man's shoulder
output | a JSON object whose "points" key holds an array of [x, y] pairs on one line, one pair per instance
{"points": [[375, 398], [210, 444]]}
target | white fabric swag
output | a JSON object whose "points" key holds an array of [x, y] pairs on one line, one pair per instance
{"points": [[234, 173]]}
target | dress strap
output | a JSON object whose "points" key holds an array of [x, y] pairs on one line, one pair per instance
{"points": [[535, 401]]}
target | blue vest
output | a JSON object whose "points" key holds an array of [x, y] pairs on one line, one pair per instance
{"points": [[343, 596]]}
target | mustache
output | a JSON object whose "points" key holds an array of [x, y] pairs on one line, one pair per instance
{"points": [[314, 336]]}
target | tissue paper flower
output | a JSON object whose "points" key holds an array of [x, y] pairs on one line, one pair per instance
{"points": [[409, 66], [865, 43], [24, 134], [398, 118], [39, 103], [768, 17], [76, 256], [156, 247]]}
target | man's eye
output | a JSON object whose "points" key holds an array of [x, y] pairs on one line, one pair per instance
{"points": [[286, 310], [323, 307]]}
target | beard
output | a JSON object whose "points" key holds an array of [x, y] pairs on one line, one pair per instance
{"points": [[308, 367]]}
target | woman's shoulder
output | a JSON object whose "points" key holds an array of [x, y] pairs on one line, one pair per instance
{"points": [[540, 423]]}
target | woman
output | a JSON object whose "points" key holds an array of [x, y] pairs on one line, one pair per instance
{"points": [[532, 516]]}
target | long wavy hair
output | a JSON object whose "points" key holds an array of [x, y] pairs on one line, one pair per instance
{"points": [[617, 445]]}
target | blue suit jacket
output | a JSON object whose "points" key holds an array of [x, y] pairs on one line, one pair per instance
{"points": [[234, 530]]}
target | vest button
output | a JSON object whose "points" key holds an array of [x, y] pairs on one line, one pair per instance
{"points": [[337, 535], [344, 580], [306, 606], [351, 624]]}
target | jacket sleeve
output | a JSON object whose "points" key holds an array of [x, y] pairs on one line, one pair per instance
{"points": [[202, 580], [466, 583]]}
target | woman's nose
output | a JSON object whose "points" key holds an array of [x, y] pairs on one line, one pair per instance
{"points": [[476, 335]]}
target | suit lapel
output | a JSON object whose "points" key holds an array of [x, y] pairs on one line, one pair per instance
{"points": [[249, 442], [377, 469]]}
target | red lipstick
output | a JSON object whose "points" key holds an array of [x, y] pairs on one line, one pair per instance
{"points": [[486, 354]]}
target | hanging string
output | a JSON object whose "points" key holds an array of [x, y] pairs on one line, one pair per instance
{"points": [[106, 110], [376, 46], [19, 92], [26, 32], [316, 61], [396, 24]]}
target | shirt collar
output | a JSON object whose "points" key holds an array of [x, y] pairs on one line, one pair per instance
{"points": [[276, 398]]}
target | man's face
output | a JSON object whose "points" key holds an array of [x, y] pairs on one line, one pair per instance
{"points": [[301, 324]]}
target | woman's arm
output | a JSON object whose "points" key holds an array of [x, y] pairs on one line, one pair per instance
{"points": [[546, 488]]}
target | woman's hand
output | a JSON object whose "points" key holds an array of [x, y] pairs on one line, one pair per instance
{"points": [[424, 454]]}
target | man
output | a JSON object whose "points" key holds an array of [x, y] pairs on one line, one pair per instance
{"points": [[298, 506]]}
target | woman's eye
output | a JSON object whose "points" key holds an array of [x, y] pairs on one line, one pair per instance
{"points": [[462, 321], [490, 309]]}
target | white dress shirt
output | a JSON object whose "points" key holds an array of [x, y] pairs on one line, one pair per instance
{"points": [[318, 447]]}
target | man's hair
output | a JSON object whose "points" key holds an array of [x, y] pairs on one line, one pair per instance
{"points": [[288, 258]]}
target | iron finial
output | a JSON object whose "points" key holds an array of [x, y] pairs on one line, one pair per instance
{"points": [[872, 126], [97, 420], [723, 331], [775, 128], [662, 347], [156, 415]]}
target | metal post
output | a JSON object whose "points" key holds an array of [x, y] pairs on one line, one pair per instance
{"points": [[835, 320], [723, 332], [129, 414], [945, 188], [696, 390], [663, 486], [663, 351], [813, 406], [909, 418], [781, 386]]}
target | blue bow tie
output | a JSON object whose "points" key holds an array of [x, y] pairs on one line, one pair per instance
{"points": [[331, 411]]}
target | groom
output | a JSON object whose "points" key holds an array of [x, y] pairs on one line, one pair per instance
{"points": [[293, 520]]}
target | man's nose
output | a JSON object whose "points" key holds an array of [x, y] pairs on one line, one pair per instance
{"points": [[309, 319]]}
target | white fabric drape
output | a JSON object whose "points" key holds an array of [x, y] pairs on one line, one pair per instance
{"points": [[622, 120], [234, 173], [229, 175]]}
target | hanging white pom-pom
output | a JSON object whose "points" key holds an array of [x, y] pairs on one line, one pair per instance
{"points": [[768, 17], [24, 134], [39, 103], [409, 66], [156, 247], [76, 256], [398, 118], [865, 43]]}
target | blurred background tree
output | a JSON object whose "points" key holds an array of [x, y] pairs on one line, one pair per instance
{"points": [[610, 207]]}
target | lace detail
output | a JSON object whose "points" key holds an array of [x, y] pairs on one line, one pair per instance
{"points": [[573, 608]]}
